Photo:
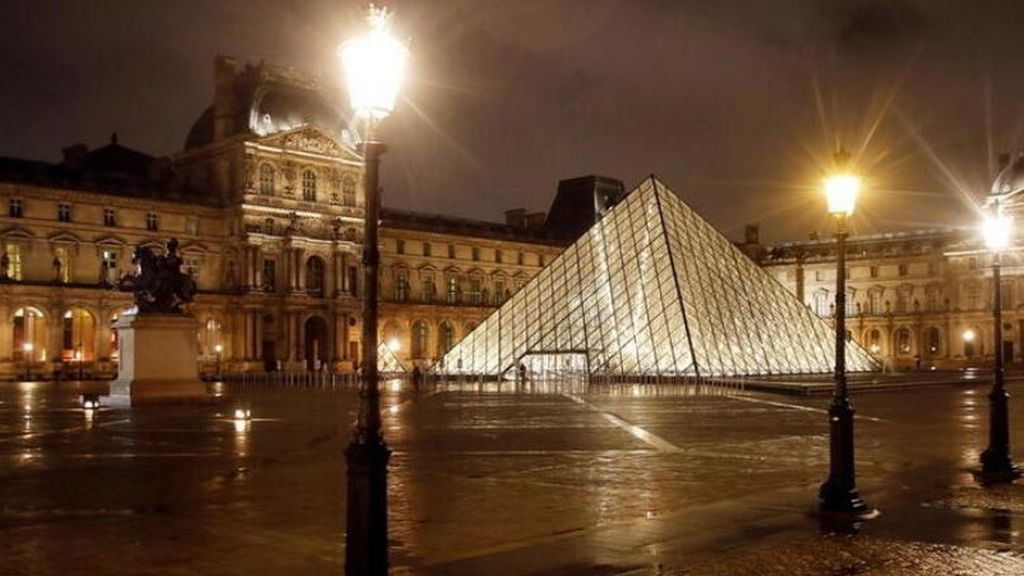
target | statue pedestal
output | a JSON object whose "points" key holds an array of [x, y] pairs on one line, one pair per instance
{"points": [[157, 360]]}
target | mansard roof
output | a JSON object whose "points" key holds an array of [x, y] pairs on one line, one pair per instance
{"points": [[425, 222]]}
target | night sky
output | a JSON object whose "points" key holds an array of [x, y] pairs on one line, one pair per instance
{"points": [[736, 105]]}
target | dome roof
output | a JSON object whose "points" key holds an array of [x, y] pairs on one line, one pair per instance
{"points": [[267, 108], [1010, 178]]}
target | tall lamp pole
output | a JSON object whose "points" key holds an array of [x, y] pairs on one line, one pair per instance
{"points": [[996, 462], [839, 493], [373, 66]]}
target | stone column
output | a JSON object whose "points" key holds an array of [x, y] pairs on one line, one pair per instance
{"points": [[300, 269], [258, 267]]}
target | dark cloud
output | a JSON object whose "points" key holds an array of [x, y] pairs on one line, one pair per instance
{"points": [[736, 104]]}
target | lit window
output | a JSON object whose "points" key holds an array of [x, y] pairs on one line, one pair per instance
{"points": [[152, 222], [15, 208], [453, 289], [309, 186], [192, 266], [13, 253], [62, 258], [109, 217], [64, 212], [267, 180], [192, 225]]}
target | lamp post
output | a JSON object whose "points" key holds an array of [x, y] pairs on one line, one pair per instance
{"points": [[219, 349], [27, 347], [373, 66], [996, 462], [839, 493]]}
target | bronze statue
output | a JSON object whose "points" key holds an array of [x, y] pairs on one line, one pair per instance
{"points": [[159, 285]]}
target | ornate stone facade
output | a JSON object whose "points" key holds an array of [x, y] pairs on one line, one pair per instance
{"points": [[267, 202]]}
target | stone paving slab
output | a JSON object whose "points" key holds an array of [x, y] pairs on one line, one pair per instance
{"points": [[842, 555]]}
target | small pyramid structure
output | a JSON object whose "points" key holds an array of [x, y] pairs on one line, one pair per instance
{"points": [[654, 289], [387, 363]]}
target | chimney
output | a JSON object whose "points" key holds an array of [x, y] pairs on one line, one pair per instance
{"points": [[752, 234], [225, 70], [74, 155], [516, 217]]}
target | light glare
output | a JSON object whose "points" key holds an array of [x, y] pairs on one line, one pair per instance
{"points": [[996, 231], [374, 65], [841, 193]]}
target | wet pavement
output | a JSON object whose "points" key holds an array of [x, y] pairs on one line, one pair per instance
{"points": [[487, 479]]}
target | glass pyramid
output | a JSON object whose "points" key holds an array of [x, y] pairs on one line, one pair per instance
{"points": [[654, 290], [387, 363]]}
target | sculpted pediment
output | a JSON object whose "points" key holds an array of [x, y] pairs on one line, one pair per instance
{"points": [[313, 140]]}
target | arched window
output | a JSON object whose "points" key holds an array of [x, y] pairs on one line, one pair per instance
{"points": [[821, 303], [932, 342], [348, 191], [874, 341], [419, 339], [902, 341], [78, 336], [29, 334], [267, 180], [447, 338], [315, 276], [309, 185]]}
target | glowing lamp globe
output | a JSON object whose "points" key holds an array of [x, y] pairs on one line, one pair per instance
{"points": [[841, 193], [996, 231], [374, 65]]}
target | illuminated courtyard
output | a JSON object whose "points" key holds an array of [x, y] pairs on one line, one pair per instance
{"points": [[488, 479]]}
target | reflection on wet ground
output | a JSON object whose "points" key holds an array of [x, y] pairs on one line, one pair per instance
{"points": [[486, 477]]}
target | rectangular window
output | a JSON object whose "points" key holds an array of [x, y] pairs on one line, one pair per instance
{"points": [[62, 261], [453, 289], [499, 292], [873, 271], [427, 291], [519, 258], [474, 291], [192, 266], [401, 285], [426, 249], [64, 212], [269, 275], [109, 217], [902, 269], [819, 275], [540, 260], [152, 222], [497, 256], [353, 281], [192, 225], [15, 208], [476, 253], [400, 246], [13, 252], [451, 251]]}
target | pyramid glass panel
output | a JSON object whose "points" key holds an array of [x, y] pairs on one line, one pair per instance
{"points": [[387, 363], [654, 289]]}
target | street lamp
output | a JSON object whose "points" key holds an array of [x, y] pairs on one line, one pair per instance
{"points": [[996, 462], [373, 66], [218, 348], [839, 493], [27, 348]]}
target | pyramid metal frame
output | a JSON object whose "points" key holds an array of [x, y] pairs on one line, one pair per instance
{"points": [[652, 289], [387, 362]]}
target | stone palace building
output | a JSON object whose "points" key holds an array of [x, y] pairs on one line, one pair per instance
{"points": [[266, 201], [918, 299]]}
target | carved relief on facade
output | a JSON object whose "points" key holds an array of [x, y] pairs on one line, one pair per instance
{"points": [[309, 140]]}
